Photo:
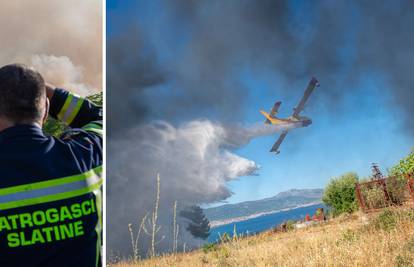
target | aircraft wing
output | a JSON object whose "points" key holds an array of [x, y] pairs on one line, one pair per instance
{"points": [[311, 86], [279, 141], [274, 110]]}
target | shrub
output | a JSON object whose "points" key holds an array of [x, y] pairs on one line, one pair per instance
{"points": [[97, 98], [339, 194], [406, 165], [410, 245], [386, 220], [374, 196], [397, 183], [348, 236], [403, 261], [208, 247], [409, 215], [397, 189], [290, 225]]}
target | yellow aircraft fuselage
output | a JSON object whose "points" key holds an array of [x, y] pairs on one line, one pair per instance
{"points": [[274, 120]]}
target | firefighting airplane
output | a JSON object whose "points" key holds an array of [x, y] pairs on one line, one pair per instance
{"points": [[295, 118]]}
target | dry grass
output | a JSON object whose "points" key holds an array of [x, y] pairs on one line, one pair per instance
{"points": [[346, 241]]}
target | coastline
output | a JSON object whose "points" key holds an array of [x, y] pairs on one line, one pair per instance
{"points": [[217, 223]]}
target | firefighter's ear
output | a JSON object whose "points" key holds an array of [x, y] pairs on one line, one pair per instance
{"points": [[47, 106]]}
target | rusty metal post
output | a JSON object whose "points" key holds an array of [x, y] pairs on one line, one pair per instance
{"points": [[384, 188], [410, 185], [359, 196]]}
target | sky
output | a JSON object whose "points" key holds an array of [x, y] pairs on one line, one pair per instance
{"points": [[361, 124]]}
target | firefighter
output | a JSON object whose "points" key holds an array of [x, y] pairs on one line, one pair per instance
{"points": [[50, 188]]}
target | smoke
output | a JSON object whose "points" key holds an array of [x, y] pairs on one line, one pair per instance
{"points": [[62, 72], [131, 69], [194, 160], [220, 40], [193, 61], [60, 39]]}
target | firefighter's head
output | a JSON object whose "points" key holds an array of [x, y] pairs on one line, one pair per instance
{"points": [[22, 96]]}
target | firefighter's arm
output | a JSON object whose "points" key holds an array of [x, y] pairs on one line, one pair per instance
{"points": [[73, 110], [83, 117], [76, 112]]}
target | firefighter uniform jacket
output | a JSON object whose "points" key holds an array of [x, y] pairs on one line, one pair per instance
{"points": [[50, 189]]}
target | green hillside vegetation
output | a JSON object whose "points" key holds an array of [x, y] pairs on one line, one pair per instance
{"points": [[406, 165], [340, 196]]}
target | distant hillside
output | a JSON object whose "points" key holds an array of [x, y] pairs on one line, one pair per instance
{"points": [[288, 199]]}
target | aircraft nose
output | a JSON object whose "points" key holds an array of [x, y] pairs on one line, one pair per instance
{"points": [[307, 122]]}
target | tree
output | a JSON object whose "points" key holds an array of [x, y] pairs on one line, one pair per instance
{"points": [[339, 194], [198, 224], [405, 166], [397, 182]]}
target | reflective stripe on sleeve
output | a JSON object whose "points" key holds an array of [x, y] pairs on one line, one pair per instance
{"points": [[51, 190], [94, 127], [65, 107], [70, 108]]}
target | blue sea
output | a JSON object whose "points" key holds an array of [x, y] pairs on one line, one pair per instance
{"points": [[263, 223]]}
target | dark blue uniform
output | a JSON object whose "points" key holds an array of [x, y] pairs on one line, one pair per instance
{"points": [[50, 189]]}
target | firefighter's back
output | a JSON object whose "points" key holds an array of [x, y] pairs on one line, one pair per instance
{"points": [[48, 210]]}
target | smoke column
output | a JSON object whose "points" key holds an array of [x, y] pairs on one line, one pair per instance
{"points": [[194, 160], [337, 41], [60, 39]]}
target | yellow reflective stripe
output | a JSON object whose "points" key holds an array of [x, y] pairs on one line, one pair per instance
{"points": [[50, 183], [65, 107], [98, 228], [97, 131], [95, 124], [50, 198], [75, 111], [70, 109], [93, 127]]}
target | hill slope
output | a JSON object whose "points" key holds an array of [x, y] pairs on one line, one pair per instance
{"points": [[345, 241], [283, 200]]}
